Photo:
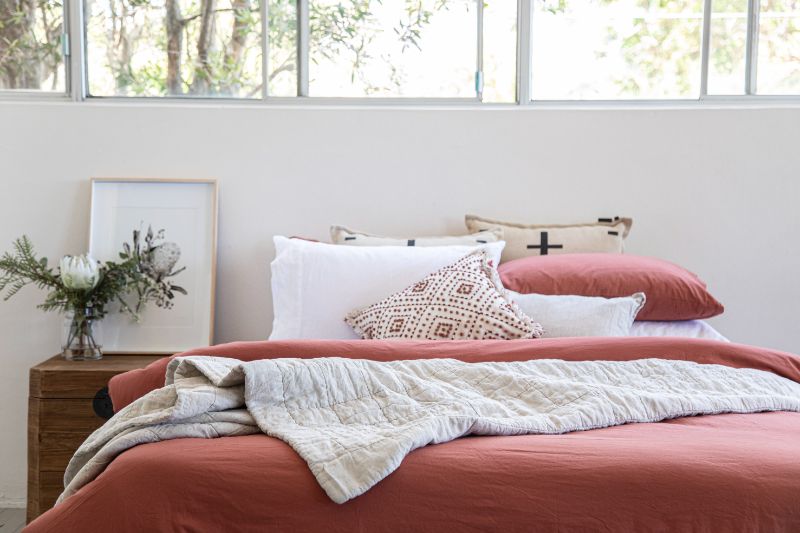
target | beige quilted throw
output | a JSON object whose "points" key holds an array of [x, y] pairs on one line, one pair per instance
{"points": [[353, 421]]}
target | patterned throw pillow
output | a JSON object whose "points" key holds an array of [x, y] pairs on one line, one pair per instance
{"points": [[464, 300], [607, 235]]}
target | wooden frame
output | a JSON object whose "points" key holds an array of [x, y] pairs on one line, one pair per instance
{"points": [[212, 212]]}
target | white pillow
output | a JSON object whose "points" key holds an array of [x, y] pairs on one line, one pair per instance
{"points": [[581, 316], [315, 285]]}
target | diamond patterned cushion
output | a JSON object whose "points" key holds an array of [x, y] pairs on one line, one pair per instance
{"points": [[464, 300]]}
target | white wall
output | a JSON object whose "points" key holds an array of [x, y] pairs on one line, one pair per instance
{"points": [[713, 189]]}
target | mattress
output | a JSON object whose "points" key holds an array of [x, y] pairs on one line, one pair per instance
{"points": [[706, 473]]}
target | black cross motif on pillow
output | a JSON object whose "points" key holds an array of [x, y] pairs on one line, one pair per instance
{"points": [[544, 244]]}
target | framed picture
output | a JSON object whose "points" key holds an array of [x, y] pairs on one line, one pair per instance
{"points": [[182, 214]]}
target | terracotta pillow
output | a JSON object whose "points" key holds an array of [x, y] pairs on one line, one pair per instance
{"points": [[464, 300], [607, 235], [673, 293]]}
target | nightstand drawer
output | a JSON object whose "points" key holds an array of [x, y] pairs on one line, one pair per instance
{"points": [[57, 448], [82, 379], [65, 415]]}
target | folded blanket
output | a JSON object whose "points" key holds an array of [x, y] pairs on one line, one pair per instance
{"points": [[353, 420]]}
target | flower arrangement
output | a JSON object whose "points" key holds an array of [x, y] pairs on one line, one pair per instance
{"points": [[83, 287]]}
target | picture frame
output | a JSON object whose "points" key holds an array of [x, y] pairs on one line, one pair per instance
{"points": [[186, 209]]}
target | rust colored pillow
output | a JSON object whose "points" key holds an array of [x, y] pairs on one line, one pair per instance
{"points": [[464, 300], [673, 293]]}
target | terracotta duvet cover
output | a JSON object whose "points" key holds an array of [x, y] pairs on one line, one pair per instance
{"points": [[708, 473]]}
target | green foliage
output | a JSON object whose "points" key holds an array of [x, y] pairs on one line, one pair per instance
{"points": [[21, 267], [30, 43], [136, 273], [213, 47]]}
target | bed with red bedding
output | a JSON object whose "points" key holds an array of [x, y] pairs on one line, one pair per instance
{"points": [[730, 472]]}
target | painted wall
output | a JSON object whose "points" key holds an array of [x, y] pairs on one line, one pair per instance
{"points": [[716, 190]]}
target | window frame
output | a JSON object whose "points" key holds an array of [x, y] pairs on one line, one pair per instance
{"points": [[68, 49], [750, 96], [303, 80], [77, 86]]}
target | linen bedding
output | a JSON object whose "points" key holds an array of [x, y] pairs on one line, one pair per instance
{"points": [[709, 473]]}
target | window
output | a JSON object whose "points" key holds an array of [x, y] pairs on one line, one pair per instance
{"points": [[778, 44], [282, 62], [174, 48], [401, 49], [347, 48], [727, 47], [489, 51], [615, 49], [31, 50]]}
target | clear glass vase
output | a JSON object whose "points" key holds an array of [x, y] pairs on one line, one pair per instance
{"points": [[81, 335]]}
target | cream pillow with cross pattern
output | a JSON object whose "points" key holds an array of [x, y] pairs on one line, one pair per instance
{"points": [[607, 235]]}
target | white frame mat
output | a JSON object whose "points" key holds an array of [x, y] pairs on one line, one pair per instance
{"points": [[187, 210]]}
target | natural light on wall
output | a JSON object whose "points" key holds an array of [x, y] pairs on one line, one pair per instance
{"points": [[497, 51]]}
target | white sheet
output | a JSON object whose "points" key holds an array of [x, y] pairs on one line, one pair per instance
{"points": [[695, 329]]}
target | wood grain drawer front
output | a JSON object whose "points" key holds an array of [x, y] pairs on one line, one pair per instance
{"points": [[56, 449], [49, 487], [69, 415], [72, 384], [59, 378]]}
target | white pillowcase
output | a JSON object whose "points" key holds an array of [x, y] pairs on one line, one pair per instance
{"points": [[581, 316], [694, 329], [315, 285]]}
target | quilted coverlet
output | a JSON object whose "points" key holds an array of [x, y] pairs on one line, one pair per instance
{"points": [[353, 420]]}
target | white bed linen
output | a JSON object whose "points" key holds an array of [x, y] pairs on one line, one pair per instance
{"points": [[315, 285], [695, 329]]}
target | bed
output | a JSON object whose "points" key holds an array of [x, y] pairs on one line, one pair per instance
{"points": [[731, 472], [738, 471]]}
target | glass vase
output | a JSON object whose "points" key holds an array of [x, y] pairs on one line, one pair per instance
{"points": [[81, 337]]}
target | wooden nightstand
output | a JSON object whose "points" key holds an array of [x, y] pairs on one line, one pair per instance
{"points": [[64, 406]]}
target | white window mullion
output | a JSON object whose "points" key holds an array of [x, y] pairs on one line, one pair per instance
{"points": [[479, 67], [705, 48], [524, 52], [303, 31], [265, 49], [75, 61], [751, 57]]}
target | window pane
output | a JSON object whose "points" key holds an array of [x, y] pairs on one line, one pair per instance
{"points": [[499, 51], [282, 67], [30, 45], [779, 47], [411, 48], [610, 49], [727, 47], [174, 48]]}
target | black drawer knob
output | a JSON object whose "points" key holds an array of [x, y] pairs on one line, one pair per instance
{"points": [[102, 404]]}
